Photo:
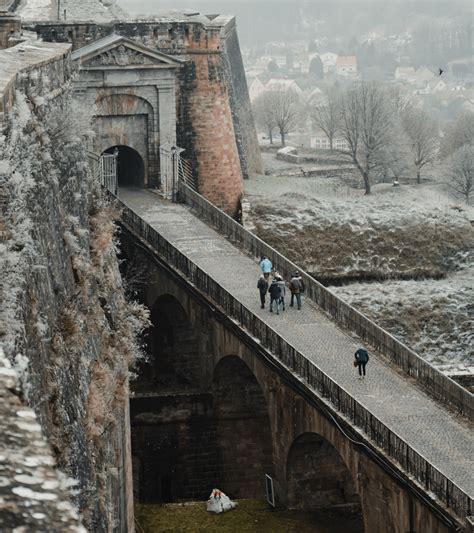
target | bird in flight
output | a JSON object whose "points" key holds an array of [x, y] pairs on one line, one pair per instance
{"points": [[441, 71]]}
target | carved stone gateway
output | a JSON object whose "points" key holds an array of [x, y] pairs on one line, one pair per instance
{"points": [[132, 90]]}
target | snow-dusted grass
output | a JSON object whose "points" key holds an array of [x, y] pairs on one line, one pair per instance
{"points": [[434, 318], [37, 10], [337, 233]]}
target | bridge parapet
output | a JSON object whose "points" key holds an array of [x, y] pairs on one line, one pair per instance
{"points": [[314, 380], [438, 385]]}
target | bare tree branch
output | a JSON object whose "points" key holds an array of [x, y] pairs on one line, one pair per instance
{"points": [[366, 125], [423, 136], [327, 115], [460, 173], [278, 109]]}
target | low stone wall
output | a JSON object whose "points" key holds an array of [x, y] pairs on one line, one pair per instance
{"points": [[35, 67]]}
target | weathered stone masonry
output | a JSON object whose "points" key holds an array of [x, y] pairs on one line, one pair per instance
{"points": [[63, 307], [214, 119]]}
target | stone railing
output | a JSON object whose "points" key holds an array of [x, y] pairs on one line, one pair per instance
{"points": [[315, 379], [441, 387]]}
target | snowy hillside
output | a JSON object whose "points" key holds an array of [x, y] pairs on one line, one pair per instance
{"points": [[399, 233]]}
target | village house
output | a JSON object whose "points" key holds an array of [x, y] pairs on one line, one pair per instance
{"points": [[423, 75], [257, 87], [346, 66], [329, 61], [436, 85], [405, 74]]}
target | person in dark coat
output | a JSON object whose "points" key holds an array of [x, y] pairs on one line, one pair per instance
{"points": [[296, 288], [262, 286], [275, 295], [361, 359], [281, 282]]}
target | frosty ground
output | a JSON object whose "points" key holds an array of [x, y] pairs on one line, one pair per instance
{"points": [[411, 242]]}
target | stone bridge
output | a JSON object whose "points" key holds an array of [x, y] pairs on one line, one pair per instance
{"points": [[231, 393]]}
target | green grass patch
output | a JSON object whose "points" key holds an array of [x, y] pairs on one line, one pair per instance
{"points": [[249, 516]]}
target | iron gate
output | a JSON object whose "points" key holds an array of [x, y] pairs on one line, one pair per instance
{"points": [[104, 169]]}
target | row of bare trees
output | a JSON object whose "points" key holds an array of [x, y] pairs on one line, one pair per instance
{"points": [[383, 131], [385, 134]]}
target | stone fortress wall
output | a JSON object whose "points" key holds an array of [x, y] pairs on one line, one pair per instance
{"points": [[62, 307], [214, 118]]}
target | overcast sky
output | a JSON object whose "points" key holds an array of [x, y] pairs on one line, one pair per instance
{"points": [[137, 6]]}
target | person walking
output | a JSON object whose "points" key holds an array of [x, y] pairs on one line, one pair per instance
{"points": [[262, 286], [275, 295], [266, 266], [296, 288], [281, 283], [361, 359]]}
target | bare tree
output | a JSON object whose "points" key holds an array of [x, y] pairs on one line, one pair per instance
{"points": [[399, 99], [460, 173], [366, 125], [423, 137], [327, 114], [265, 113], [287, 107], [459, 133]]}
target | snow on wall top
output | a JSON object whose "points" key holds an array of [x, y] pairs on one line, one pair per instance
{"points": [[84, 10], [25, 56], [34, 495]]}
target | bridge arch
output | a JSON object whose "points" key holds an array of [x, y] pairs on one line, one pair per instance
{"points": [[171, 346], [319, 479], [241, 410]]}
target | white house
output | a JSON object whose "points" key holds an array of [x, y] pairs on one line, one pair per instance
{"points": [[329, 62], [405, 74], [423, 75], [436, 85], [256, 88], [314, 95], [283, 86], [346, 66]]}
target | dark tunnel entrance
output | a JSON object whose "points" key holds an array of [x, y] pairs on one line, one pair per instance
{"points": [[130, 166]]}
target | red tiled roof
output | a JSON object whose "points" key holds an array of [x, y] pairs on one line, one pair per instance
{"points": [[346, 61]]}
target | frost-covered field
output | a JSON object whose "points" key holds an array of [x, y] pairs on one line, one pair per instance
{"points": [[340, 235]]}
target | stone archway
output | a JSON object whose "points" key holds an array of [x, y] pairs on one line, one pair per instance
{"points": [[130, 166], [318, 479], [243, 429], [171, 346]]}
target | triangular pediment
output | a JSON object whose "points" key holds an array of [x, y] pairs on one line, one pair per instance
{"points": [[115, 51]]}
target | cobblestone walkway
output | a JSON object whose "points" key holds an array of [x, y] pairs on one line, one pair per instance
{"points": [[429, 428]]}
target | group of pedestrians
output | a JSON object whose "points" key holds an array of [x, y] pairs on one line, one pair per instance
{"points": [[276, 287], [272, 283]]}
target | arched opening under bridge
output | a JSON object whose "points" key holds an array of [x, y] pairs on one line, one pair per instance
{"points": [[172, 352], [130, 166], [318, 480], [243, 429]]}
